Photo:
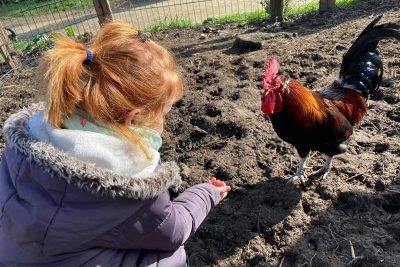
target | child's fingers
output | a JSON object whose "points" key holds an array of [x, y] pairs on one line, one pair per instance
{"points": [[212, 180], [219, 183], [216, 182], [224, 189]]}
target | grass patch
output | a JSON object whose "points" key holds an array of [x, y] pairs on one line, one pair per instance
{"points": [[167, 25], [238, 17], [303, 9], [2, 60], [185, 23], [314, 6], [21, 45]]}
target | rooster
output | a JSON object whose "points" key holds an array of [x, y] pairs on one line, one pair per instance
{"points": [[322, 120]]}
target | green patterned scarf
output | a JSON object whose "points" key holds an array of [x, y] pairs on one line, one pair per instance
{"points": [[80, 120]]}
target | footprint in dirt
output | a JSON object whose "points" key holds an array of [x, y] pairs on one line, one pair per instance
{"points": [[259, 64], [212, 111], [242, 73], [235, 96], [208, 78], [203, 124], [223, 129], [216, 92], [394, 115], [230, 129]]}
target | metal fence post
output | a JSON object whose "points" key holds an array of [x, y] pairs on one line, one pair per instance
{"points": [[276, 10], [103, 10], [6, 49], [327, 5]]}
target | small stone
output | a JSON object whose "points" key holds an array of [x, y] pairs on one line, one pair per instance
{"points": [[288, 35], [203, 36], [185, 170], [387, 83], [207, 30], [248, 42], [340, 47], [287, 24]]}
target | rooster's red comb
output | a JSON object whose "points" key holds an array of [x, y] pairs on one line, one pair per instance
{"points": [[270, 73]]}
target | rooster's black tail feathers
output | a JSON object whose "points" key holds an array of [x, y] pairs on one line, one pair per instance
{"points": [[362, 67]]}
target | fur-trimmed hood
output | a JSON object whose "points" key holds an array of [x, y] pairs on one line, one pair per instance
{"points": [[18, 137]]}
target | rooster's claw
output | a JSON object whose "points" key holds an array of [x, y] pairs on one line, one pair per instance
{"points": [[294, 178], [321, 173]]}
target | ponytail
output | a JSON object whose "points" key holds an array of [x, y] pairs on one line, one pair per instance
{"points": [[65, 77]]}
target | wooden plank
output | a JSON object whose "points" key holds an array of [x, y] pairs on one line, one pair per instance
{"points": [[6, 49], [276, 10], [327, 5], [103, 10]]}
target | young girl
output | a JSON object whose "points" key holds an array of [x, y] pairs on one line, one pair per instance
{"points": [[81, 183]]}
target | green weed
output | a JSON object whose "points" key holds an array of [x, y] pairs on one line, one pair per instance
{"points": [[174, 24], [238, 17]]}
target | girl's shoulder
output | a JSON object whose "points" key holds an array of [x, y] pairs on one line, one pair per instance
{"points": [[56, 162]]}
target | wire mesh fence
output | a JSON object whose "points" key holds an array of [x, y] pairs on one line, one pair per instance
{"points": [[32, 18], [146, 13], [53, 16], [80, 15], [58, 15]]}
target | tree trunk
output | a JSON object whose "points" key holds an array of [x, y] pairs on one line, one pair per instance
{"points": [[103, 10], [276, 10], [327, 5]]}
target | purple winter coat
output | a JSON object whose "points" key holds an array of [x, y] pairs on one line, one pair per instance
{"points": [[58, 211]]}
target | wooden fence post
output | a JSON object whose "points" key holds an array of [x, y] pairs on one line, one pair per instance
{"points": [[103, 10], [327, 5], [6, 49], [276, 10]]}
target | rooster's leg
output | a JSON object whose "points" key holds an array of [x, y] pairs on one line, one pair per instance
{"points": [[299, 172], [325, 169]]}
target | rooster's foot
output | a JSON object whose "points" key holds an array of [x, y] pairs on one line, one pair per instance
{"points": [[324, 171], [294, 178], [299, 172]]}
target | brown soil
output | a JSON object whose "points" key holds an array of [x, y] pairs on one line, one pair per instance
{"points": [[217, 129]]}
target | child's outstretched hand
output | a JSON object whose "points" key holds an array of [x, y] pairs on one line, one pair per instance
{"points": [[221, 186]]}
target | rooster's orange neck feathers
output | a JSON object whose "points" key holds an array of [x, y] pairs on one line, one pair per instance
{"points": [[303, 103]]}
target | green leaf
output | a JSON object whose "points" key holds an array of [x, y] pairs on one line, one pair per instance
{"points": [[70, 32]]}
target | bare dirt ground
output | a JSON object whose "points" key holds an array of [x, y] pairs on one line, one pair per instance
{"points": [[352, 218]]}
